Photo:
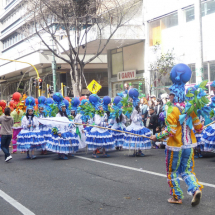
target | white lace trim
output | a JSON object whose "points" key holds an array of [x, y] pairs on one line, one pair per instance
{"points": [[174, 148]]}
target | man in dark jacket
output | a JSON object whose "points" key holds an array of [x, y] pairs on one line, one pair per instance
{"points": [[153, 123]]}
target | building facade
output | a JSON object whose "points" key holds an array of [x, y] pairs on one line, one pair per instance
{"points": [[170, 23], [173, 24]]}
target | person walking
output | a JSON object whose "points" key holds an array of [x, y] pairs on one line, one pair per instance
{"points": [[6, 122]]}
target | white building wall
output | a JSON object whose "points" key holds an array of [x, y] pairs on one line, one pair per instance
{"points": [[181, 38]]}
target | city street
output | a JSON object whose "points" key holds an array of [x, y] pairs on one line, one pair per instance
{"points": [[83, 185]]}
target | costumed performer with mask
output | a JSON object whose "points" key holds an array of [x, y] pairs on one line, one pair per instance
{"points": [[134, 142], [99, 137], [30, 137], [179, 148]]}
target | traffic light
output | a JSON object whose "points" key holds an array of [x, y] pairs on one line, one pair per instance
{"points": [[40, 83], [34, 82]]}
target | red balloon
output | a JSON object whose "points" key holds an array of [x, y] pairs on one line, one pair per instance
{"points": [[16, 97], [82, 97], [67, 98]]}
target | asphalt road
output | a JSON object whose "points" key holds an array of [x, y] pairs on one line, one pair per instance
{"points": [[48, 186]]}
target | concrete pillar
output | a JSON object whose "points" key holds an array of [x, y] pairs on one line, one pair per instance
{"points": [[109, 73], [199, 47]]}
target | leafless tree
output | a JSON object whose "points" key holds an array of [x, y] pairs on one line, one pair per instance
{"points": [[78, 22]]}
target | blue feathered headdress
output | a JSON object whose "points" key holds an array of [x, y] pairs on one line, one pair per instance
{"points": [[58, 99], [95, 101], [42, 102], [180, 75], [29, 103], [75, 103], [84, 101], [117, 107], [106, 102], [49, 102], [134, 94]]}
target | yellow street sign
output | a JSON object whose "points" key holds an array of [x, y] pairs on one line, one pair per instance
{"points": [[94, 87]]}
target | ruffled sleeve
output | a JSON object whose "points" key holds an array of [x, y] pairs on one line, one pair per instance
{"points": [[135, 117], [25, 122], [99, 121]]}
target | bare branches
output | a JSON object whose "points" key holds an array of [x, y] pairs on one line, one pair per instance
{"points": [[73, 24]]}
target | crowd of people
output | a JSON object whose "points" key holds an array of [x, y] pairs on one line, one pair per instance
{"points": [[128, 121]]}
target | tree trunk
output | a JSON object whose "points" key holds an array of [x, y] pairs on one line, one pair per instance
{"points": [[76, 82]]}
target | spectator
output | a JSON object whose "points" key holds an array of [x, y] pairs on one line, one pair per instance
{"points": [[6, 122], [158, 109], [153, 122], [144, 111]]}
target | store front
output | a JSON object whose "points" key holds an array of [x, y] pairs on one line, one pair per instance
{"points": [[126, 65]]}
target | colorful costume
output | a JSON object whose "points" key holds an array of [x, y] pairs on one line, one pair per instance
{"points": [[17, 115], [136, 127], [182, 140], [30, 138], [68, 142], [117, 122], [99, 137]]}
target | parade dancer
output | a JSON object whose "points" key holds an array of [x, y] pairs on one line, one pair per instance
{"points": [[63, 141], [133, 142], [208, 135], [30, 137], [45, 130], [17, 114], [179, 148], [117, 120], [99, 137], [78, 129], [2, 108]]}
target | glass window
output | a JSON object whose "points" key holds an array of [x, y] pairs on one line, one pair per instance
{"points": [[169, 21], [117, 63], [117, 88], [156, 28], [212, 71], [208, 8], [193, 69], [154, 33], [190, 14]]}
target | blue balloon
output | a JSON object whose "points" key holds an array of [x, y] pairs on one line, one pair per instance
{"points": [[93, 98], [117, 99], [133, 93], [106, 100], [180, 73]]}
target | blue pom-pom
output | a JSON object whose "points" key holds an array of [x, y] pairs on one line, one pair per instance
{"points": [[133, 93], [58, 98], [30, 101], [117, 99], [180, 73], [93, 98], [75, 102], [106, 100], [49, 101]]}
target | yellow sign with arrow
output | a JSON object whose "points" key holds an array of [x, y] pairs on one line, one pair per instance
{"points": [[94, 87]]}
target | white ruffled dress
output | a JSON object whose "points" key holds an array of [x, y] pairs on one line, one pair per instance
{"points": [[99, 137], [67, 143], [82, 137], [119, 137], [137, 127], [30, 138]]}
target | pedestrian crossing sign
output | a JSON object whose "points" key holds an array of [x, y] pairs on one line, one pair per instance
{"points": [[94, 87]]}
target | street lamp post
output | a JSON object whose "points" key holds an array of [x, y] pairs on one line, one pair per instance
{"points": [[54, 69]]}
